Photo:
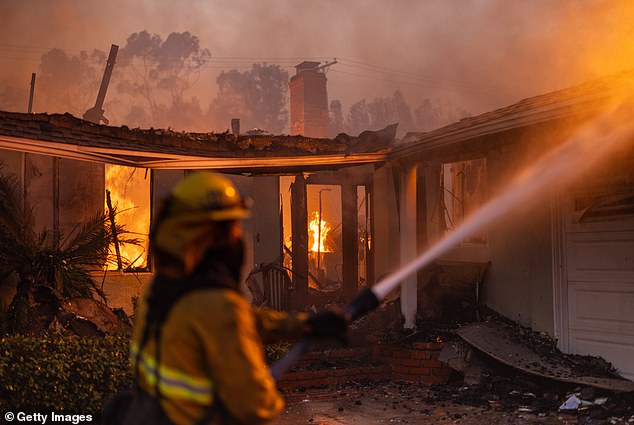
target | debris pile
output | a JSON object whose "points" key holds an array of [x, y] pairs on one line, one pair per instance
{"points": [[50, 311], [503, 388]]}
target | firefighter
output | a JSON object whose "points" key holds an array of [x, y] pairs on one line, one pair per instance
{"points": [[198, 345]]}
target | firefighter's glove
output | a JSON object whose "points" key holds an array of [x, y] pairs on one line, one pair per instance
{"points": [[329, 325]]}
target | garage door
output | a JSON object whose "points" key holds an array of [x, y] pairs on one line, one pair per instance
{"points": [[599, 250]]}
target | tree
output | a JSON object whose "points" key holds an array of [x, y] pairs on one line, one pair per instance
{"points": [[158, 72], [69, 83], [14, 99], [434, 114], [335, 122], [384, 111], [379, 113], [257, 96], [358, 117]]}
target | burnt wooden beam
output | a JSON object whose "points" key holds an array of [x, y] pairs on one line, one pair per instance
{"points": [[370, 242], [299, 222], [422, 235], [350, 240]]}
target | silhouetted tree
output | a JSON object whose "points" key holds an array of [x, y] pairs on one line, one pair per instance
{"points": [[69, 83], [257, 96], [358, 118], [381, 112], [14, 99], [336, 124], [384, 111], [434, 114], [158, 72]]}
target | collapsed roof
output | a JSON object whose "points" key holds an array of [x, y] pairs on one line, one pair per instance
{"points": [[70, 137]]}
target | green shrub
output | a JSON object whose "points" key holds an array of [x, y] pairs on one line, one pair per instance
{"points": [[68, 374], [61, 373]]}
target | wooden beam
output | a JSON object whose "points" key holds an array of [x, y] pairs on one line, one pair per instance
{"points": [[407, 229], [370, 243], [350, 240], [283, 161], [299, 222]]}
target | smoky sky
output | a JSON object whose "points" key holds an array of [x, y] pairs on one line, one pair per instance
{"points": [[478, 55]]}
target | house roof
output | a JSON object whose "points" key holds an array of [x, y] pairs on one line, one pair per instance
{"points": [[584, 98], [70, 137]]}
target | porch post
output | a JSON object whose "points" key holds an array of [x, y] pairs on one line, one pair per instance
{"points": [[408, 245], [299, 222], [350, 240]]}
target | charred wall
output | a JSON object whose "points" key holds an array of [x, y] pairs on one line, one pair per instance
{"points": [[62, 192], [519, 282]]}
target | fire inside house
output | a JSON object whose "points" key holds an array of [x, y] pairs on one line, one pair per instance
{"points": [[128, 191], [324, 236], [497, 242]]}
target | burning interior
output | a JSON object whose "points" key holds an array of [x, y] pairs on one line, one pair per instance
{"points": [[325, 259], [128, 193], [333, 213]]}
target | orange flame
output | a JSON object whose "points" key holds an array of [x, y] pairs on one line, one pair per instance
{"points": [[318, 243], [129, 193]]}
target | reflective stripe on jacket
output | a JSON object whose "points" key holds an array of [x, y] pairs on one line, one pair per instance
{"points": [[211, 346], [174, 383]]}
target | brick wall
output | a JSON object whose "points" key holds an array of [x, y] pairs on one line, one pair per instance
{"points": [[418, 363], [415, 363], [309, 104]]}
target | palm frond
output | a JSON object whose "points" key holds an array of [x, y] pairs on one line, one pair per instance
{"points": [[89, 243], [41, 258]]}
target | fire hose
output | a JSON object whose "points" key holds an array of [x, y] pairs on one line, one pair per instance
{"points": [[591, 145]]}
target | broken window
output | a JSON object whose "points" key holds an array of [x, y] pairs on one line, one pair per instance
{"points": [[463, 186], [129, 191]]}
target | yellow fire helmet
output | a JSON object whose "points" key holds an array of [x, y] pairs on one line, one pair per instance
{"points": [[200, 198], [210, 194]]}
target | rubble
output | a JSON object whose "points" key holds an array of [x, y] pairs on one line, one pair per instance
{"points": [[80, 316], [404, 402], [572, 403], [524, 350]]}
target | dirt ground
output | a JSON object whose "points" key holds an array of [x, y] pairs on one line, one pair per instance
{"points": [[393, 403]]}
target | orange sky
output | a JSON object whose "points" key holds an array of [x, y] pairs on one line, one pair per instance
{"points": [[477, 55]]}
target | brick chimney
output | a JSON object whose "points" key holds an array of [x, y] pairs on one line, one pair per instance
{"points": [[309, 101]]}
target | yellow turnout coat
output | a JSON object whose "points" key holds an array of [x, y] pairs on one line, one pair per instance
{"points": [[211, 348]]}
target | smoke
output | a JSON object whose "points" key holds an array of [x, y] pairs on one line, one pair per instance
{"points": [[598, 141], [475, 56]]}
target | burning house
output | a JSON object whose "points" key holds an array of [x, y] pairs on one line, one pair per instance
{"points": [[561, 263], [69, 187], [341, 213]]}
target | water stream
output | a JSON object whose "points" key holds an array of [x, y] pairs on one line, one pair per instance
{"points": [[590, 146]]}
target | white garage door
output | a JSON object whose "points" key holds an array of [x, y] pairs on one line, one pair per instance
{"points": [[599, 247]]}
